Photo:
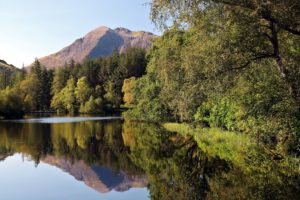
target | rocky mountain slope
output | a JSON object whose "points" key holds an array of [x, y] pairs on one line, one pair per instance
{"points": [[100, 42]]}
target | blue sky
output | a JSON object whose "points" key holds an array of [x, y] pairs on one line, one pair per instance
{"points": [[36, 28]]}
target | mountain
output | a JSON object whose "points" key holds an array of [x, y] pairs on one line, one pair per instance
{"points": [[101, 179], [100, 42]]}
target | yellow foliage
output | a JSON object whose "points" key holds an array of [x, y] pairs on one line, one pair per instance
{"points": [[127, 89]]}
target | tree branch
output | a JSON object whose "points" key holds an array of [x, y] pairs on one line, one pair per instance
{"points": [[265, 14], [255, 58], [258, 57]]}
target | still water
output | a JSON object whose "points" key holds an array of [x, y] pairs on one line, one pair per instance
{"points": [[108, 158]]}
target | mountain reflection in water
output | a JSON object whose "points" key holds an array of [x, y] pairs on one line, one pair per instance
{"points": [[101, 179]]}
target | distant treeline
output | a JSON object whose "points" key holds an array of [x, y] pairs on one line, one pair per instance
{"points": [[95, 86]]}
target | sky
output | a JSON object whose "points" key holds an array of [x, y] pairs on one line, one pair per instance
{"points": [[32, 29]]}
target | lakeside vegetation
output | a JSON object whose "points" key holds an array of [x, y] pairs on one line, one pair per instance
{"points": [[232, 65]]}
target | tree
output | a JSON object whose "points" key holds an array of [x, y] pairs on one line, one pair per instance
{"points": [[46, 80], [254, 31], [68, 96], [128, 90], [30, 88], [133, 62], [19, 77], [5, 78], [37, 87], [148, 106], [36, 68], [59, 80], [57, 102], [92, 106], [113, 93], [83, 91]]}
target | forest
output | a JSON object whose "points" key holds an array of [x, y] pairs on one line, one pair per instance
{"points": [[232, 65], [94, 86]]}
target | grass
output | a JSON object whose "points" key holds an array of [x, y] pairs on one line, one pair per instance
{"points": [[215, 142]]}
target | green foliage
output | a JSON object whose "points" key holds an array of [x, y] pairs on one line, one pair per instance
{"points": [[11, 104], [83, 91], [99, 82], [92, 106], [128, 90], [57, 103], [9, 75], [93, 86], [149, 107], [35, 88], [244, 32], [68, 96], [217, 113], [226, 145], [231, 65], [31, 88], [46, 79], [65, 100], [60, 78]]}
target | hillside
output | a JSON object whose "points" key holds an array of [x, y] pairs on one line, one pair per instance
{"points": [[5, 66], [100, 42]]}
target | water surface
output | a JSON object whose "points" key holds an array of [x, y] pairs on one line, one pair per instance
{"points": [[109, 158], [67, 158]]}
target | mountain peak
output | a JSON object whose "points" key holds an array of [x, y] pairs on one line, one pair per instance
{"points": [[124, 30], [99, 30], [100, 42]]}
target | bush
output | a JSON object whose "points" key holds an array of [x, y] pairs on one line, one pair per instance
{"points": [[217, 113]]}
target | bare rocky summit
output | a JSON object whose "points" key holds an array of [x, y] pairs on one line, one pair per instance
{"points": [[100, 42]]}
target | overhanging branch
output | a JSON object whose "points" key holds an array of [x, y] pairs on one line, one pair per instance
{"points": [[255, 58]]}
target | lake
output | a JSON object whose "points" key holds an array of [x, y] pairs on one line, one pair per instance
{"points": [[110, 158]]}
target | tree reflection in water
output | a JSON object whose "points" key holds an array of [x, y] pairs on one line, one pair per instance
{"points": [[178, 169]]}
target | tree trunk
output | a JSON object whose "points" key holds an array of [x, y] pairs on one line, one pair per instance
{"points": [[291, 85], [293, 90]]}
